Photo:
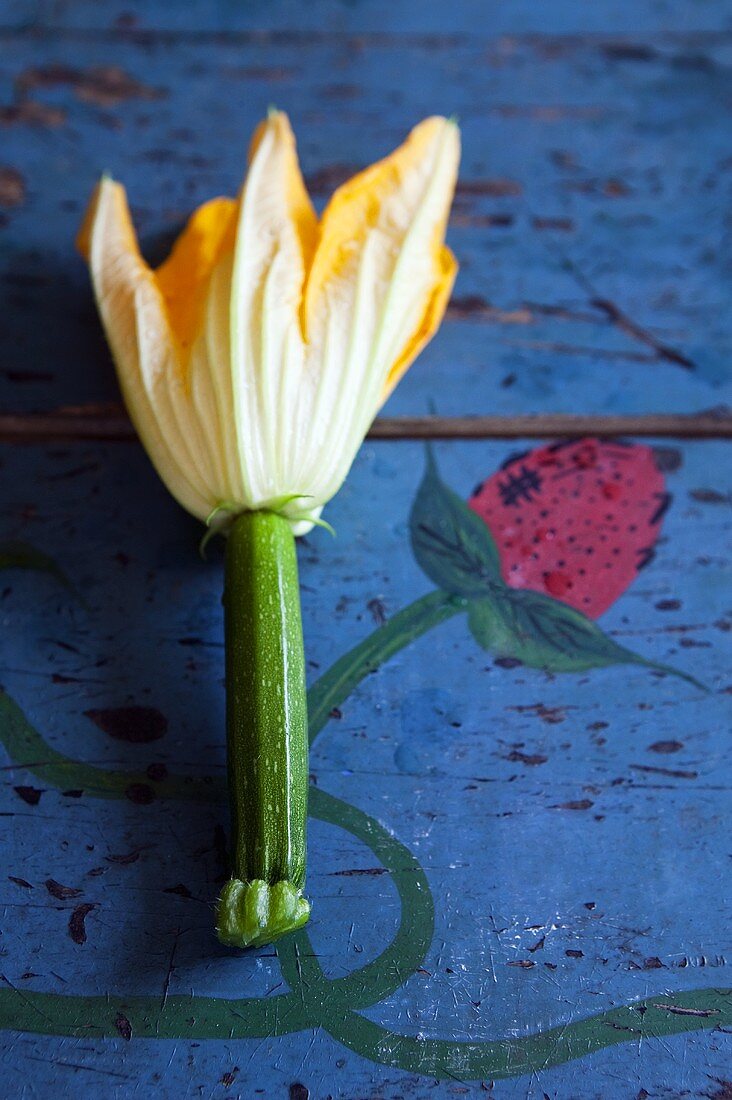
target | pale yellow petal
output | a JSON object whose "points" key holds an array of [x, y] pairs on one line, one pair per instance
{"points": [[275, 237], [136, 324], [429, 322], [377, 289], [195, 283]]}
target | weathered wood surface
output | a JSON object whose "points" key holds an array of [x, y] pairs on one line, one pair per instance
{"points": [[573, 828], [376, 17], [570, 830], [589, 221]]}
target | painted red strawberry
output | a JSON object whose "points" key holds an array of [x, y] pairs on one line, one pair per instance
{"points": [[575, 520]]}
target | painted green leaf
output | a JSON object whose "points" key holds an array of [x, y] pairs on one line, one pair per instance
{"points": [[545, 633], [21, 555], [451, 543]]}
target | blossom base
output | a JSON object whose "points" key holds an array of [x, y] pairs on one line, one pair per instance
{"points": [[252, 914]]}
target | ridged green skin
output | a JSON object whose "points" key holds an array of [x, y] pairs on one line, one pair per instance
{"points": [[267, 734]]}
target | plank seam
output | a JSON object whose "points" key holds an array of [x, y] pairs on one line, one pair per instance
{"points": [[110, 424]]}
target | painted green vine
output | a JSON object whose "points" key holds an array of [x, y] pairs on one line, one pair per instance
{"points": [[314, 1000]]}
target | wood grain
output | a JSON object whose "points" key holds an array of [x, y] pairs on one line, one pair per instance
{"points": [[570, 829], [551, 814], [593, 179], [111, 424]]}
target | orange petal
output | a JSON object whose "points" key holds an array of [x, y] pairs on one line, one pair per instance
{"points": [[383, 198], [184, 277]]}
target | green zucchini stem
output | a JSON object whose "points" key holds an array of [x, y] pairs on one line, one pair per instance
{"points": [[267, 734]]}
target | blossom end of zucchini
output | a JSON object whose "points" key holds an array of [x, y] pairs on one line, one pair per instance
{"points": [[252, 914]]}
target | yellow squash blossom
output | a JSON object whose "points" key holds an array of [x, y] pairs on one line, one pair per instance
{"points": [[252, 363]]}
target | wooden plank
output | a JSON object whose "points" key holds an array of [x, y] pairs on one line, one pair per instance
{"points": [[112, 424], [378, 17], [593, 182], [573, 828], [551, 426]]}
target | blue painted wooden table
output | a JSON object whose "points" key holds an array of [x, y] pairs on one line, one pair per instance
{"points": [[520, 875]]}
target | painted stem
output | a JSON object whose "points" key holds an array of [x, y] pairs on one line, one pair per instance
{"points": [[267, 739], [335, 685], [28, 749]]}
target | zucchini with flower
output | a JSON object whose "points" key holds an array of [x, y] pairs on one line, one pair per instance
{"points": [[252, 363]]}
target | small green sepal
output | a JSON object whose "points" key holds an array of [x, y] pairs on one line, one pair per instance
{"points": [[252, 914]]}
